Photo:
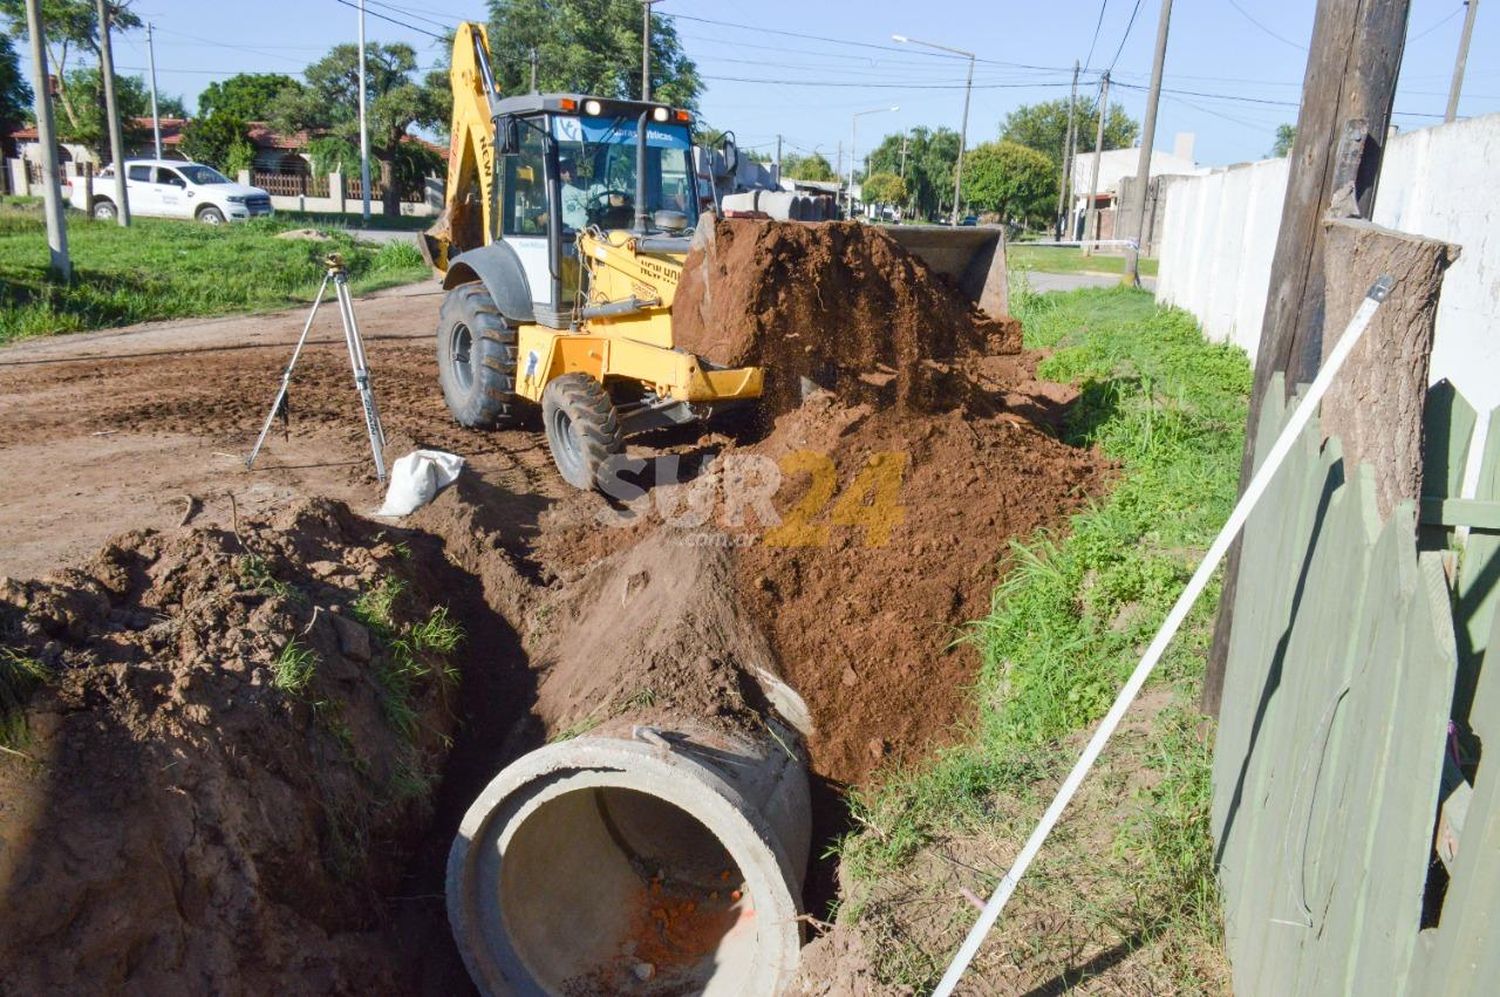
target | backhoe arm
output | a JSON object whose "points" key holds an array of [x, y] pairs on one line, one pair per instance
{"points": [[468, 198]]}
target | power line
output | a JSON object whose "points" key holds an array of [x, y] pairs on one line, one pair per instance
{"points": [[1133, 11], [386, 17], [1423, 34], [1247, 16], [1097, 25], [957, 85]]}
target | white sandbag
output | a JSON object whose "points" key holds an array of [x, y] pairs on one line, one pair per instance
{"points": [[417, 478]]}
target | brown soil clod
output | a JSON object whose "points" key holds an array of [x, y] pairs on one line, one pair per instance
{"points": [[839, 304]]}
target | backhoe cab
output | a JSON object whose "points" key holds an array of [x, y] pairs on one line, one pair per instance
{"points": [[563, 236]]}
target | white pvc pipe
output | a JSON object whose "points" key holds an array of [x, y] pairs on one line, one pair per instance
{"points": [[1261, 480]]}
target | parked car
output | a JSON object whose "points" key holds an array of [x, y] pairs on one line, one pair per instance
{"points": [[172, 188]]}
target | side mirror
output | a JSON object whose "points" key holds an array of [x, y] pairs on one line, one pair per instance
{"points": [[507, 136], [730, 152]]}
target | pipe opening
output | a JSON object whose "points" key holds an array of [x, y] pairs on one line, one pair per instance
{"points": [[606, 889]]}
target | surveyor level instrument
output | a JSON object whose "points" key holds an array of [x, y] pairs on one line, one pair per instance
{"points": [[339, 275]]}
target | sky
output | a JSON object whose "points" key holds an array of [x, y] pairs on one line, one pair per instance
{"points": [[803, 69]]}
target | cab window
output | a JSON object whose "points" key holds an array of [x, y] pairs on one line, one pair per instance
{"points": [[170, 177], [525, 186], [141, 173]]}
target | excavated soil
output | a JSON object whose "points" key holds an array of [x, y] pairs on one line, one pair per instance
{"points": [[174, 815], [839, 304]]}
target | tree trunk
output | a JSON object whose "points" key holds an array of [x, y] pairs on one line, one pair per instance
{"points": [[1375, 407], [390, 197]]}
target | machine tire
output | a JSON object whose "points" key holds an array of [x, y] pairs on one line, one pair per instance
{"points": [[104, 210], [583, 430], [476, 359], [210, 215]]}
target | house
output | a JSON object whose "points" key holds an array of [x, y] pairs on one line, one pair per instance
{"points": [[1117, 172], [74, 159]]}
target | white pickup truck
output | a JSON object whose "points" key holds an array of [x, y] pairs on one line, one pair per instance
{"points": [[171, 188]]}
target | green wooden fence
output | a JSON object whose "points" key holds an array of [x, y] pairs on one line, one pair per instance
{"points": [[1355, 643]]}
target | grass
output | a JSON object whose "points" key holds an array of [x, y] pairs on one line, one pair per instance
{"points": [[1039, 256], [165, 269], [20, 678], [353, 222], [416, 651], [1075, 609], [293, 669]]}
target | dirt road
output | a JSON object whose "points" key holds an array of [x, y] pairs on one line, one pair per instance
{"points": [[126, 429]]}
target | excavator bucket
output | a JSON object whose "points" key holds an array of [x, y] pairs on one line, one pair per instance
{"points": [[972, 257]]}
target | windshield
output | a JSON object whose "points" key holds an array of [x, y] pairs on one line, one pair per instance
{"points": [[596, 164], [202, 174]]}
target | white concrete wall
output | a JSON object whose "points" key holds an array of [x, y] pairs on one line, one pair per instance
{"points": [[1220, 231]]}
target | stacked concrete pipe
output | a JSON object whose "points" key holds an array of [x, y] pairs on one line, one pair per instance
{"points": [[564, 859]]}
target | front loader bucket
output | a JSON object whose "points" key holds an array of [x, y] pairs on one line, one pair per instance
{"points": [[972, 257]]}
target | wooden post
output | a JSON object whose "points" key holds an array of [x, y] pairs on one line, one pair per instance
{"points": [[1376, 406], [1347, 93]]}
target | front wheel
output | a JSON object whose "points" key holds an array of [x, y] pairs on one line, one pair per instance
{"points": [[476, 359], [211, 216], [583, 429], [104, 210]]}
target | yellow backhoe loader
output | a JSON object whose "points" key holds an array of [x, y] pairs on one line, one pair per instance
{"points": [[566, 223]]}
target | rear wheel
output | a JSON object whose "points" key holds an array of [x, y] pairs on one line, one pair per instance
{"points": [[583, 429], [104, 210], [211, 216], [476, 359]]}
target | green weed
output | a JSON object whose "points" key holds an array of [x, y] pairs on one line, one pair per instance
{"points": [[20, 678], [416, 651], [257, 574], [293, 668], [1048, 259]]}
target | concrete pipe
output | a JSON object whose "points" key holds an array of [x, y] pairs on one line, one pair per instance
{"points": [[638, 860]]}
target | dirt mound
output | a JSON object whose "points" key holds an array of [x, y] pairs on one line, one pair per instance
{"points": [[907, 521], [656, 632], [838, 303], [220, 781]]}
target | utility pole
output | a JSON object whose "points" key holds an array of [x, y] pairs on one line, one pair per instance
{"points": [[1067, 164], [534, 67], [364, 125], [151, 65], [1463, 58], [1347, 94], [778, 159], [646, 49], [112, 109], [57, 232], [1089, 211], [904, 136], [1148, 139], [963, 128]]}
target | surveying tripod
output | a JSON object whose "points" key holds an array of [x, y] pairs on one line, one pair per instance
{"points": [[339, 274]]}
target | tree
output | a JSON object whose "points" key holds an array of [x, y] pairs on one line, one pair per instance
{"points": [[220, 140], [88, 125], [883, 188], [1017, 183], [394, 102], [246, 96], [1286, 136], [15, 95], [1044, 127], [930, 157], [810, 167], [588, 46], [70, 24]]}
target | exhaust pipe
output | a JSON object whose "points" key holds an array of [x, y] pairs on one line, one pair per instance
{"points": [[636, 859]]}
